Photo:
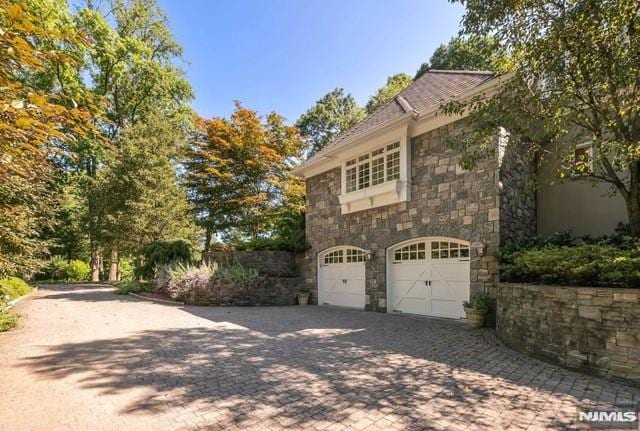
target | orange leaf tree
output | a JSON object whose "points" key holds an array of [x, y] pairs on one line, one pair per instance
{"points": [[38, 116], [238, 173]]}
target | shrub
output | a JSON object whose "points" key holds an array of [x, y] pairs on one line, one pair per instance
{"points": [[78, 270], [12, 288], [581, 265], [189, 283], [56, 269], [161, 253], [60, 269], [124, 288], [238, 274], [126, 268], [479, 301], [8, 320]]}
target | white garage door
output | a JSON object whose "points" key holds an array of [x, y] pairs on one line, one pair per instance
{"points": [[341, 277], [429, 276]]}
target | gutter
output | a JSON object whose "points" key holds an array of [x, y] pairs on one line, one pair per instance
{"points": [[353, 139], [410, 113]]}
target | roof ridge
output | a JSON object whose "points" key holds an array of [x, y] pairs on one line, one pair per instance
{"points": [[404, 104], [468, 72]]}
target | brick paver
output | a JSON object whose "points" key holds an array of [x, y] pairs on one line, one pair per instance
{"points": [[86, 359]]}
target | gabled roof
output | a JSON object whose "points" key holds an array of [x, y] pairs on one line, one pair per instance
{"points": [[428, 91]]}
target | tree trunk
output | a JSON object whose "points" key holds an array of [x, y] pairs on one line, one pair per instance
{"points": [[113, 265], [95, 264], [207, 239], [633, 199]]}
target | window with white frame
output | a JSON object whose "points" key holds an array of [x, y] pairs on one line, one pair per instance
{"points": [[373, 168], [583, 158]]}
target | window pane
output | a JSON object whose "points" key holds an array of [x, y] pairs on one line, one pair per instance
{"points": [[363, 176], [393, 166], [435, 245], [434, 254], [351, 162], [393, 146], [351, 179], [377, 171], [378, 151], [444, 254], [362, 158], [454, 253], [464, 252]]}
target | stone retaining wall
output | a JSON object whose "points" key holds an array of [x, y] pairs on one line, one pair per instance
{"points": [[267, 262], [596, 330], [267, 291]]}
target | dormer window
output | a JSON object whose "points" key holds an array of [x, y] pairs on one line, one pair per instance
{"points": [[378, 177], [371, 169]]}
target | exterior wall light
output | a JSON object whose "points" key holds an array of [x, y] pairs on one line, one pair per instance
{"points": [[368, 255]]}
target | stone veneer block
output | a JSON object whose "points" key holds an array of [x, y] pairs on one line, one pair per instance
{"points": [[601, 337], [445, 201]]}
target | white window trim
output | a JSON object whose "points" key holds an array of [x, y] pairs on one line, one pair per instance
{"points": [[382, 194], [589, 146], [367, 159]]}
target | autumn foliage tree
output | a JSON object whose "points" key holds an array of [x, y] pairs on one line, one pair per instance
{"points": [[238, 173], [39, 115]]}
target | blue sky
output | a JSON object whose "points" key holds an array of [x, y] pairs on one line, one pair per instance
{"points": [[283, 55]]}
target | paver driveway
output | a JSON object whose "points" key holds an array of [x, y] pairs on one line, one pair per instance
{"points": [[86, 359]]}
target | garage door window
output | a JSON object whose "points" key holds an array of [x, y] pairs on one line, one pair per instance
{"points": [[344, 255], [334, 257], [448, 250], [411, 252], [354, 255]]}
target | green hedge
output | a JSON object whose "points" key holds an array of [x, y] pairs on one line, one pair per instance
{"points": [[573, 265], [62, 269], [13, 288], [160, 253]]}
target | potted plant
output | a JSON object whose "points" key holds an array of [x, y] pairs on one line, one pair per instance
{"points": [[303, 296], [476, 309]]}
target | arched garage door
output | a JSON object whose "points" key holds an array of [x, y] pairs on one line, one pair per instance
{"points": [[341, 275], [429, 276]]}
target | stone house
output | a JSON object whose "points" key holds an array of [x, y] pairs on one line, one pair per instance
{"points": [[396, 225]]}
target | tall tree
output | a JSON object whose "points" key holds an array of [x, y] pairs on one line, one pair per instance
{"points": [[395, 84], [475, 52], [140, 195], [132, 65], [576, 79], [334, 113], [238, 172], [41, 113]]}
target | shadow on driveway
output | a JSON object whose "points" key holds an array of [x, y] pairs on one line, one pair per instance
{"points": [[290, 366]]}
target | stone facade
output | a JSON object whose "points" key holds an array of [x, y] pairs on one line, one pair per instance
{"points": [[596, 330], [266, 262], [517, 195], [445, 201]]}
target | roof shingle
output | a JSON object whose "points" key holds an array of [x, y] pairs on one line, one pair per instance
{"points": [[428, 91]]}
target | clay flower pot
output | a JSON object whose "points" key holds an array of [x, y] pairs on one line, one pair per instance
{"points": [[475, 318], [303, 298]]}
